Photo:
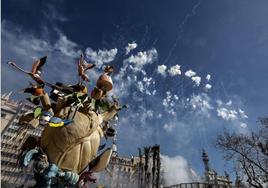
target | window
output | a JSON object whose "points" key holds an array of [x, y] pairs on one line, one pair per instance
{"points": [[3, 115]]}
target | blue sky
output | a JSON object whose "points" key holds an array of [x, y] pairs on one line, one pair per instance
{"points": [[225, 39]]}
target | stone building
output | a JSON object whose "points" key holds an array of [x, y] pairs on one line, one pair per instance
{"points": [[8, 110], [210, 178], [133, 171], [121, 172], [13, 136]]}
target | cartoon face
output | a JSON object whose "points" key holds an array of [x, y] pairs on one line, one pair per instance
{"points": [[41, 163]]}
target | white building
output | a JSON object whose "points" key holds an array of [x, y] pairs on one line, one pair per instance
{"points": [[13, 136]]}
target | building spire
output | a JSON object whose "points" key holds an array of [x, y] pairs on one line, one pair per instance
{"points": [[205, 160]]}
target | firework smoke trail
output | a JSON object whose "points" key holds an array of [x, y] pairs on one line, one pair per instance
{"points": [[181, 29], [224, 91], [144, 37]]}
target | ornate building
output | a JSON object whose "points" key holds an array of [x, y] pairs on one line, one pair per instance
{"points": [[8, 110], [211, 176], [13, 136], [121, 172], [133, 172], [210, 179]]}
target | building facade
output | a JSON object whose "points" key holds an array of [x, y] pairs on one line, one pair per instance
{"points": [[134, 171], [121, 172], [8, 110], [210, 179], [13, 136]]}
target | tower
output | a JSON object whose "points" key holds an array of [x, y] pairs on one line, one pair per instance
{"points": [[206, 164], [205, 161]]}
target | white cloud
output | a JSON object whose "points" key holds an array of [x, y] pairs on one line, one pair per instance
{"points": [[140, 86], [142, 58], [169, 127], [161, 69], [201, 102], [208, 77], [31, 45], [67, 47], [132, 74], [170, 103], [26, 43], [60, 51], [148, 80], [196, 80], [219, 102], [123, 84], [146, 85], [149, 113], [136, 120], [54, 15], [236, 116], [208, 87], [175, 70], [131, 46], [102, 56], [229, 103], [177, 170], [242, 114], [243, 125], [227, 114], [190, 73]]}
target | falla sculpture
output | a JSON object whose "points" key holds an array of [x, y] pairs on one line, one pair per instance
{"points": [[74, 121]]}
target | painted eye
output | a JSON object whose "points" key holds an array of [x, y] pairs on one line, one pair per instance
{"points": [[47, 118], [42, 122]]}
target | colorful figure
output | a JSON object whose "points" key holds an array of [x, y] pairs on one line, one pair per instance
{"points": [[47, 119], [58, 122], [45, 172], [35, 73], [34, 90], [69, 150], [83, 66], [104, 84]]}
